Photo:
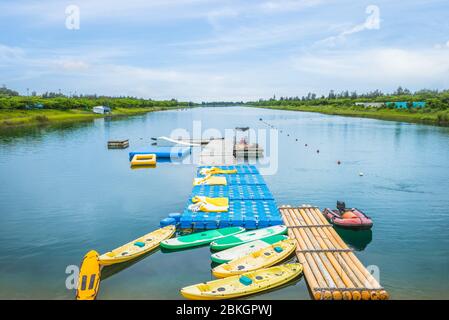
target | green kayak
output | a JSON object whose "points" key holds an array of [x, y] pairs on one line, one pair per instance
{"points": [[200, 238], [245, 237]]}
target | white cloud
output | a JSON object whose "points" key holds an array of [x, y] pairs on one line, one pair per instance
{"points": [[378, 67], [147, 11], [112, 11], [69, 64], [8, 53], [215, 16], [244, 38], [372, 22], [288, 5]]}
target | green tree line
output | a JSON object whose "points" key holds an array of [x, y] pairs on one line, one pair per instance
{"points": [[435, 100], [11, 100]]}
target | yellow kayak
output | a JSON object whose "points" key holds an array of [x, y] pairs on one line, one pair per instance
{"points": [[89, 277], [243, 285], [262, 258], [137, 247]]}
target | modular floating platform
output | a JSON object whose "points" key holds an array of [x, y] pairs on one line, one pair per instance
{"points": [[251, 204]]}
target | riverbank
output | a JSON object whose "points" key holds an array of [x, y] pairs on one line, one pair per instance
{"points": [[16, 118], [440, 118]]}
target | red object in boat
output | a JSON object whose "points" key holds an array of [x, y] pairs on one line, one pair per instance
{"points": [[351, 218]]}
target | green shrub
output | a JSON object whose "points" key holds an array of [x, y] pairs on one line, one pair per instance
{"points": [[41, 118]]}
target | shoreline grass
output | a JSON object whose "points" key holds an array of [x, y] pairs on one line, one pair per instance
{"points": [[18, 118], [440, 118]]}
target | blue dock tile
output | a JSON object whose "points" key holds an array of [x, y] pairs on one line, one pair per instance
{"points": [[241, 169], [250, 222], [244, 179], [263, 223]]}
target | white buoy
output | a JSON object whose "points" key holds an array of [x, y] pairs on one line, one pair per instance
{"points": [[361, 174]]}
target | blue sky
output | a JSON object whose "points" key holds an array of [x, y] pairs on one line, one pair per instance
{"points": [[226, 49]]}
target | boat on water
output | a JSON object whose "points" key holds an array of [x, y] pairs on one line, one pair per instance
{"points": [[350, 218]]}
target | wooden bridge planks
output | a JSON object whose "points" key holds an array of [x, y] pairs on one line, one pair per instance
{"points": [[330, 267]]}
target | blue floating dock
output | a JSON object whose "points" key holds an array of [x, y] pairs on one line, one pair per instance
{"points": [[245, 179], [241, 169], [164, 152], [234, 192], [251, 204]]}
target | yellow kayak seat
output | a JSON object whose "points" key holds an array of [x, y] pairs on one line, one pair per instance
{"points": [[216, 170], [206, 204], [215, 201], [210, 181]]}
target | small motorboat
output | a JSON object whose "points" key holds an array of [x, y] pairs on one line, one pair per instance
{"points": [[351, 218]]}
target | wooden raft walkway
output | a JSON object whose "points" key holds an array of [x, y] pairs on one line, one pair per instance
{"points": [[330, 267]]}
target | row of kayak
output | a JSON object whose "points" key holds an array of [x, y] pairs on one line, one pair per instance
{"points": [[247, 261], [243, 255], [221, 239], [90, 270]]}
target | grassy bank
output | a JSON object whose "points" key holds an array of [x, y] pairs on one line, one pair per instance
{"points": [[435, 117], [13, 118]]}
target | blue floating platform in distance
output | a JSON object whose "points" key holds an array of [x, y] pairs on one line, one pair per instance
{"points": [[164, 152]]}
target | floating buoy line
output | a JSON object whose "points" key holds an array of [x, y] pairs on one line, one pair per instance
{"points": [[297, 139]]}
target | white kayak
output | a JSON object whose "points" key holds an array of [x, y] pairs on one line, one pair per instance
{"points": [[245, 249], [169, 142]]}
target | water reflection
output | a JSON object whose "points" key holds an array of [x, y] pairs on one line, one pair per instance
{"points": [[109, 271], [147, 166], [356, 239]]}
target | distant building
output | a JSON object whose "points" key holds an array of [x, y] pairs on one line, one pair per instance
{"points": [[35, 106], [419, 104], [101, 109], [370, 104], [405, 104]]}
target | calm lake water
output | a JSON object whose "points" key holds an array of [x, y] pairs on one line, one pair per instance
{"points": [[63, 193]]}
